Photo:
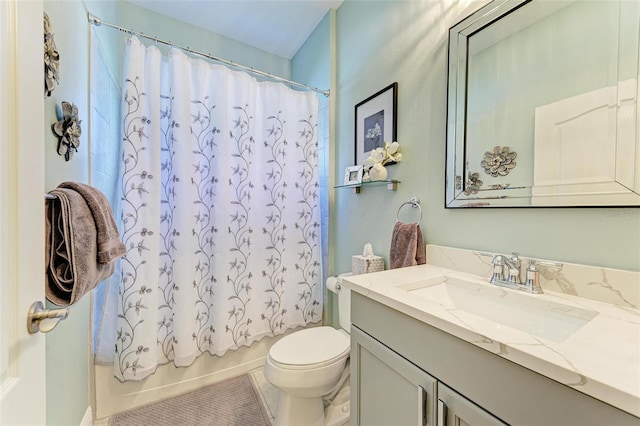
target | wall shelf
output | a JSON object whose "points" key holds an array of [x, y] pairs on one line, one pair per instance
{"points": [[392, 185]]}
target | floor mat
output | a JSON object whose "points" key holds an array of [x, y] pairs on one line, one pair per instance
{"points": [[233, 402]]}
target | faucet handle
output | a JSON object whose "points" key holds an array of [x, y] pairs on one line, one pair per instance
{"points": [[533, 274], [498, 271], [532, 282], [514, 276], [514, 268]]}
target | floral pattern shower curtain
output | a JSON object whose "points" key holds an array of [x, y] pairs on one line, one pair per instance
{"points": [[220, 211]]}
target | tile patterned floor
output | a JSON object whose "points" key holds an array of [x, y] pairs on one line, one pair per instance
{"points": [[267, 391]]}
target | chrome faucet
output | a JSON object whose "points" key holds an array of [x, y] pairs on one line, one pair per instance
{"points": [[513, 268]]}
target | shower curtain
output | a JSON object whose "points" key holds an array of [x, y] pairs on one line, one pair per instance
{"points": [[220, 211]]}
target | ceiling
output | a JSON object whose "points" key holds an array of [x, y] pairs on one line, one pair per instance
{"points": [[279, 27]]}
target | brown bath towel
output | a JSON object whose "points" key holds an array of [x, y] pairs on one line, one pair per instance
{"points": [[74, 241], [109, 245], [407, 246]]}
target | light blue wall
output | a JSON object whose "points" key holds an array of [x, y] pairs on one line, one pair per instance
{"points": [[147, 22], [311, 64], [68, 346], [379, 42]]}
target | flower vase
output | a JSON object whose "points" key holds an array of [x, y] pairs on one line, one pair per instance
{"points": [[378, 172]]}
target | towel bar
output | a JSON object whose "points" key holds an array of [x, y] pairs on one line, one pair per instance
{"points": [[413, 202], [38, 313]]}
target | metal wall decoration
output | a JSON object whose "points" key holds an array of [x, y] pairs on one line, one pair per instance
{"points": [[458, 182], [499, 161], [51, 59], [68, 130], [473, 184]]}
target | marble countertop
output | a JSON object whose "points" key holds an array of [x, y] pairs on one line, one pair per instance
{"points": [[600, 358]]}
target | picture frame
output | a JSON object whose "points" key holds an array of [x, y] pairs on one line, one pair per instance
{"points": [[375, 122], [353, 175]]}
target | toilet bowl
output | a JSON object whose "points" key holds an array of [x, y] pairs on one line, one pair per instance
{"points": [[308, 366]]}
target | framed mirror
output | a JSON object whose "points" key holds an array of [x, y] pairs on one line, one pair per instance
{"points": [[542, 105]]}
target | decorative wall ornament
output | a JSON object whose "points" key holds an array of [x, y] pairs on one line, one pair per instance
{"points": [[51, 59], [473, 184], [68, 130], [499, 161]]}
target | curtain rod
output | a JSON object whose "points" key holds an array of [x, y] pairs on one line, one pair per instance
{"points": [[94, 20]]}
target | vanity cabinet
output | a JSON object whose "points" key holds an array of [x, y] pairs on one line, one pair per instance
{"points": [[407, 372], [390, 390]]}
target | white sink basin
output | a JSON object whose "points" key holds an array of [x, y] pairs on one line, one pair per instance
{"points": [[532, 314]]}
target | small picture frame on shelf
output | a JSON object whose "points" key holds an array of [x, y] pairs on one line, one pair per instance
{"points": [[376, 119], [353, 175]]}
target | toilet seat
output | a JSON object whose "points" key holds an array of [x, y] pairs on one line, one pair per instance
{"points": [[310, 348]]}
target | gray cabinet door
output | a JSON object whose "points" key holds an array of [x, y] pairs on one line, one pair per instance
{"points": [[455, 410], [386, 389]]}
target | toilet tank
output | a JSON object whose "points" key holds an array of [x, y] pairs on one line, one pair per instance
{"points": [[334, 284]]}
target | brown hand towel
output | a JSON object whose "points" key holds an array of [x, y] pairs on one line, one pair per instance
{"points": [[407, 246], [110, 247], [71, 255]]}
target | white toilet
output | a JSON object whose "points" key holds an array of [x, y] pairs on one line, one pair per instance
{"points": [[311, 366]]}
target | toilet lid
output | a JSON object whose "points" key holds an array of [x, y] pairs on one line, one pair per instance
{"points": [[315, 345]]}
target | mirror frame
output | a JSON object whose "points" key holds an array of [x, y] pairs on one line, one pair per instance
{"points": [[455, 172]]}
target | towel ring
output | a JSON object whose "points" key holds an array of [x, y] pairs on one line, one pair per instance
{"points": [[413, 202]]}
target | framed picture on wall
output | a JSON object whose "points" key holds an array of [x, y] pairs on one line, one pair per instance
{"points": [[376, 119]]}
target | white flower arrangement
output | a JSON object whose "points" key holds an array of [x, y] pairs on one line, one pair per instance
{"points": [[384, 155]]}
